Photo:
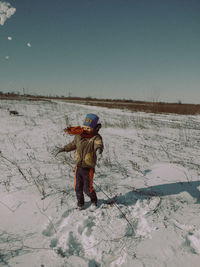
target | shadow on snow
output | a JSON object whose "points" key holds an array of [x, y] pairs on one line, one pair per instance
{"points": [[159, 190]]}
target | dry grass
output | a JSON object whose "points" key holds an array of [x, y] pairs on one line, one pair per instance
{"points": [[153, 107]]}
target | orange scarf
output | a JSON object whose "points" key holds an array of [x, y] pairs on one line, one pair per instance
{"points": [[78, 130]]}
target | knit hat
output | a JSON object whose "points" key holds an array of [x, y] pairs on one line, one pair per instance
{"points": [[91, 120]]}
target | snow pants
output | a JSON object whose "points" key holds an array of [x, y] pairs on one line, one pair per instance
{"points": [[83, 182]]}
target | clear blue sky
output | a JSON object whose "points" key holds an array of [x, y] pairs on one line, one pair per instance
{"points": [[137, 49]]}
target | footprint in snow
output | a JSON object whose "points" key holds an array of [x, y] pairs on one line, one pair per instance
{"points": [[192, 236], [70, 247]]}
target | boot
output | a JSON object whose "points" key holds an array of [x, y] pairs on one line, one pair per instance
{"points": [[94, 202], [80, 204]]}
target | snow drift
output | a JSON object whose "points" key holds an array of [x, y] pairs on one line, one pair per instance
{"points": [[150, 170]]}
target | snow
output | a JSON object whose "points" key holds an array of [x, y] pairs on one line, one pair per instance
{"points": [[150, 171], [6, 11]]}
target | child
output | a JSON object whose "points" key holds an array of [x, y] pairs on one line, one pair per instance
{"points": [[88, 146]]}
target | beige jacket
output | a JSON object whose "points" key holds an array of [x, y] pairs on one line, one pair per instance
{"points": [[85, 150]]}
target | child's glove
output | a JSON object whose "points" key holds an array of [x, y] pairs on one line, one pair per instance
{"points": [[99, 156], [57, 150]]}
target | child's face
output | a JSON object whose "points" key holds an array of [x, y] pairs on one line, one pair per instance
{"points": [[87, 128]]}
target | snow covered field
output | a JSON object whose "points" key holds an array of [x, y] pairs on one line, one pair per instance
{"points": [[150, 168]]}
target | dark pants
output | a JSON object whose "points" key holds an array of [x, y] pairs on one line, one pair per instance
{"points": [[83, 182]]}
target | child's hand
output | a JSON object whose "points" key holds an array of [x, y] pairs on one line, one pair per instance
{"points": [[99, 157], [57, 150]]}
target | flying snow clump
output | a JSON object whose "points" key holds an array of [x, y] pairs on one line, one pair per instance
{"points": [[6, 11]]}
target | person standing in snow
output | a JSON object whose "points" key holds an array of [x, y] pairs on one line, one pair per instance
{"points": [[88, 146]]}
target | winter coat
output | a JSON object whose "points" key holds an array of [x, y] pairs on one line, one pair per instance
{"points": [[85, 150]]}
